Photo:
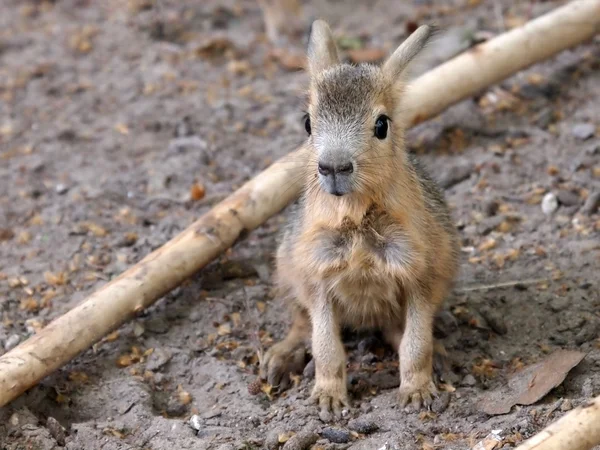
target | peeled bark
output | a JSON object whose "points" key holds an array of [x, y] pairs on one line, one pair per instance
{"points": [[269, 192]]}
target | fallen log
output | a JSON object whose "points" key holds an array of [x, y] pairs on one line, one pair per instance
{"points": [[577, 430], [269, 192]]}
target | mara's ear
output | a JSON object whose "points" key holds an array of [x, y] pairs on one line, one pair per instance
{"points": [[322, 51], [406, 52]]}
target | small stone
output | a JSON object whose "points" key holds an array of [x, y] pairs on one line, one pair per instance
{"points": [[489, 224], [490, 207], [12, 342], [558, 304], [363, 426], [583, 131], [441, 402], [587, 390], [468, 380], [175, 408], [195, 422], [309, 370], [369, 358], [568, 198], [237, 269], [591, 204], [567, 405], [587, 333], [158, 325], [138, 329], [56, 430], [159, 358], [455, 175], [272, 439], [445, 324], [336, 435], [301, 441], [495, 320], [21, 418], [549, 203], [61, 189]]}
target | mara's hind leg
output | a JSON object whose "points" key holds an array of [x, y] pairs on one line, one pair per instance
{"points": [[288, 356]]}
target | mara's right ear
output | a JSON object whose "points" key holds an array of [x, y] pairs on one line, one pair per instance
{"points": [[406, 52], [322, 51]]}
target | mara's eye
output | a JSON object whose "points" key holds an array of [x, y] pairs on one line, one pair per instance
{"points": [[307, 123], [381, 127]]}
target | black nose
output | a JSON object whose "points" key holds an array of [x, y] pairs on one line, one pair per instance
{"points": [[342, 169]]}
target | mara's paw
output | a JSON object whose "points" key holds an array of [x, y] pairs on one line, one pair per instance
{"points": [[279, 363], [332, 398], [414, 397]]}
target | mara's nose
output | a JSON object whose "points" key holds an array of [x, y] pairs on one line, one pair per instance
{"points": [[340, 169]]}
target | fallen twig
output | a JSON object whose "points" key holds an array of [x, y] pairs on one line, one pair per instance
{"points": [[504, 284]]}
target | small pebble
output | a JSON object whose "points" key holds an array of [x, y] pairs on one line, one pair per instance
{"points": [[309, 370], [301, 441], [336, 435], [549, 203], [591, 204], [583, 131], [587, 390], [12, 342], [455, 175], [567, 405], [568, 198], [56, 430], [495, 320], [272, 439], [363, 426], [468, 380], [441, 403], [61, 189], [195, 422], [158, 359]]}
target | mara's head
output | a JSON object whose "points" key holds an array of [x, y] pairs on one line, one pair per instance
{"points": [[354, 117]]}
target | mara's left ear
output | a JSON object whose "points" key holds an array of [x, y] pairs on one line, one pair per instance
{"points": [[406, 52]]}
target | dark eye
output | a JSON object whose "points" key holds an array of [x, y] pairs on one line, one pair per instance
{"points": [[381, 127], [307, 123]]}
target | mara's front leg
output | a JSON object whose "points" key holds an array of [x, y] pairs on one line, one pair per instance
{"points": [[416, 355], [287, 357], [330, 390]]}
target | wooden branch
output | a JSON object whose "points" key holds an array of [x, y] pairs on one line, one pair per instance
{"points": [[268, 193], [488, 63], [577, 430]]}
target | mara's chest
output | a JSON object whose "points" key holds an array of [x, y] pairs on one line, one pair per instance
{"points": [[361, 264]]}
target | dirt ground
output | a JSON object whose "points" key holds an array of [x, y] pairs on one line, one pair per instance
{"points": [[111, 112]]}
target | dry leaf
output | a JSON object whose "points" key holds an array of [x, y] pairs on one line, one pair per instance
{"points": [[284, 437], [487, 245], [29, 304], [78, 377], [197, 191], [289, 60], [125, 361], [224, 329], [55, 279], [184, 397], [24, 237], [122, 128], [531, 383], [214, 48], [112, 337]]}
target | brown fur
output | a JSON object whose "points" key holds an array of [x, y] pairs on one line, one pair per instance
{"points": [[382, 256]]}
